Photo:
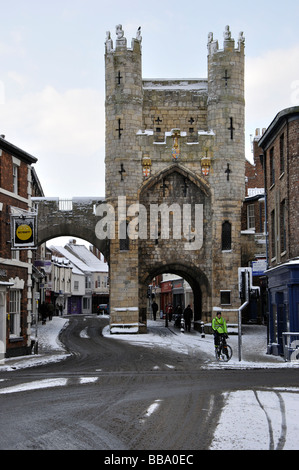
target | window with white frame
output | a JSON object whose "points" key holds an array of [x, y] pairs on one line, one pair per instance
{"points": [[250, 216], [105, 281], [15, 254], [15, 312], [87, 282], [76, 285], [15, 178]]}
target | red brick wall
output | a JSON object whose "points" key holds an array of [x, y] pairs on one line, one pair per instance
{"points": [[9, 271], [285, 188], [6, 175], [294, 187], [254, 179]]}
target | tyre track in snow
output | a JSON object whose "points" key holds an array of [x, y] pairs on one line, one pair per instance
{"points": [[283, 433]]}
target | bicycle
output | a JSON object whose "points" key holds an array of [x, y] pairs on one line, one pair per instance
{"points": [[223, 352]]}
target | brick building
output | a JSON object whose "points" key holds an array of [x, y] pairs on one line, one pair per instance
{"points": [[253, 234], [253, 209], [18, 183], [280, 144]]}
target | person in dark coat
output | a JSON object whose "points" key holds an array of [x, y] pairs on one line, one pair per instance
{"points": [[155, 309], [169, 311], [43, 312], [188, 315], [178, 314]]}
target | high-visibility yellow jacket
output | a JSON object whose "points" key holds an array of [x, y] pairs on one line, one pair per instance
{"points": [[219, 325]]}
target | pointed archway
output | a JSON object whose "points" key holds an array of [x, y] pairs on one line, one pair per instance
{"points": [[177, 190]]}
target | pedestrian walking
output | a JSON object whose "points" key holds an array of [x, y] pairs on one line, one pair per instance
{"points": [[50, 310], [178, 312], [155, 309], [188, 316], [169, 311]]}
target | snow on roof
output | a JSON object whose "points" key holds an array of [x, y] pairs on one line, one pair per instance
{"points": [[76, 262], [176, 84], [86, 256]]}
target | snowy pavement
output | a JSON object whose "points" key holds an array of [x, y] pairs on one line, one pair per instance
{"points": [[257, 420]]}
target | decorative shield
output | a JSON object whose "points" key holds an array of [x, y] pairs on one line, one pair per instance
{"points": [[175, 152], [205, 170], [146, 171], [146, 167], [205, 166]]}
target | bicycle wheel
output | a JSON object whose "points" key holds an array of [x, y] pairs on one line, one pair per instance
{"points": [[226, 357]]}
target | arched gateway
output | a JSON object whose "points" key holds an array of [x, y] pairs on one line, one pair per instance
{"points": [[175, 164], [175, 169]]}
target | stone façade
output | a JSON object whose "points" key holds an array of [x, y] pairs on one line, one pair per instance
{"points": [[175, 142]]}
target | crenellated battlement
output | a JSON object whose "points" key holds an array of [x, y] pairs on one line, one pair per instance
{"points": [[121, 40], [228, 43]]}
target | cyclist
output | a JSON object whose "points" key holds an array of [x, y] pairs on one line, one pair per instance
{"points": [[219, 329]]}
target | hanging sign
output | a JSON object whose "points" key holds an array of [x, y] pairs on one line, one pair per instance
{"points": [[23, 234]]}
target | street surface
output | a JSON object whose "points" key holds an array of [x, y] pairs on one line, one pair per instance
{"points": [[112, 395]]}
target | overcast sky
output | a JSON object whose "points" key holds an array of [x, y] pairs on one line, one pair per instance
{"points": [[52, 71]]}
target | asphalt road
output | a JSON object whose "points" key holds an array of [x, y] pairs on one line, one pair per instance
{"points": [[110, 395]]}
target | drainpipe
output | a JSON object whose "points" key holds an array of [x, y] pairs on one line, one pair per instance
{"points": [[263, 161]]}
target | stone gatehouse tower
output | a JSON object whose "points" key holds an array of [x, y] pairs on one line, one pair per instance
{"points": [[179, 143]]}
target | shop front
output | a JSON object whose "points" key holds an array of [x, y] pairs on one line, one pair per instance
{"points": [[166, 294], [283, 291], [3, 316], [178, 293]]}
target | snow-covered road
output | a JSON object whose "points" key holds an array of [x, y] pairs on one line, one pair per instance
{"points": [[251, 419]]}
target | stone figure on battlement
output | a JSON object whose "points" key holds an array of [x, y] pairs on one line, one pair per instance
{"points": [[119, 31], [109, 42], [227, 34], [138, 34]]}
